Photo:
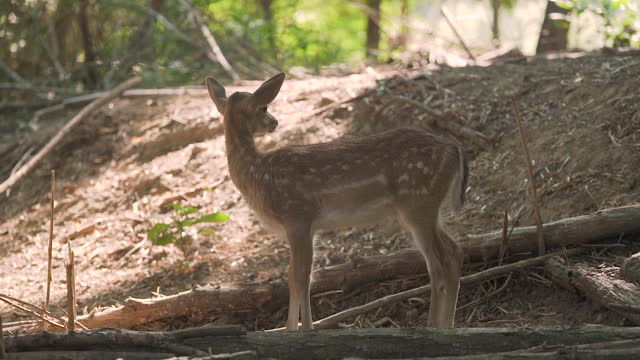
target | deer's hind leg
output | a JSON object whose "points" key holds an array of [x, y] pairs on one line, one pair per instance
{"points": [[444, 262], [300, 261]]}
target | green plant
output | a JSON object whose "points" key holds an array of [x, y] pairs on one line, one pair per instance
{"points": [[162, 234]]}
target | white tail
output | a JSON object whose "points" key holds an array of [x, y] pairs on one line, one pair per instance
{"points": [[406, 173]]}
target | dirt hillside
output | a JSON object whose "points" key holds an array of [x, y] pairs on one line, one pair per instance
{"points": [[117, 170]]}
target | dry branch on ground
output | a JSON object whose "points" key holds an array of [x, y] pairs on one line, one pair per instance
{"points": [[596, 285], [367, 343]]}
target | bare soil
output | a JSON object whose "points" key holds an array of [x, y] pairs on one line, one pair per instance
{"points": [[116, 170]]}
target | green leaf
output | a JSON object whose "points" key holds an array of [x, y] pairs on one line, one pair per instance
{"points": [[156, 230], [187, 222], [165, 239], [215, 217], [188, 210], [175, 207]]}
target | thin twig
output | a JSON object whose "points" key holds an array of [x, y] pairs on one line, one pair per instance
{"points": [[532, 179], [3, 354], [24, 303], [50, 249], [505, 239], [21, 161], [31, 312], [493, 293], [447, 17]]}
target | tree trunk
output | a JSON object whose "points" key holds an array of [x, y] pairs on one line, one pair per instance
{"points": [[495, 25], [271, 28], [91, 72], [553, 37], [610, 292], [373, 29]]}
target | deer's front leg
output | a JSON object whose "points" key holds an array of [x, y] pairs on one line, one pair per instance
{"points": [[301, 258]]}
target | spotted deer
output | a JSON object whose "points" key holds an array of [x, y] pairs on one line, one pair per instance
{"points": [[410, 174]]}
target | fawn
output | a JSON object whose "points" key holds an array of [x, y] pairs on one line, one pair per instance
{"points": [[406, 173]]}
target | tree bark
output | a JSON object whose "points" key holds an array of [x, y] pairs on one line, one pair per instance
{"points": [[366, 343], [373, 29], [613, 294], [552, 37], [495, 25], [91, 78], [271, 28], [631, 268], [582, 229]]}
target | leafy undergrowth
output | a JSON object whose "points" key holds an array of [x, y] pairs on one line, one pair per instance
{"points": [[119, 171]]}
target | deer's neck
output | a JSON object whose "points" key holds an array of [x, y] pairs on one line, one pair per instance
{"points": [[242, 155]]}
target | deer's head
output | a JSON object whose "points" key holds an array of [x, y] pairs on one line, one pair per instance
{"points": [[245, 111]]}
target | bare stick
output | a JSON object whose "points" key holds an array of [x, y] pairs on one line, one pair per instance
{"points": [[218, 56], [31, 312], [532, 179], [26, 304], [3, 354], [484, 298], [505, 239], [50, 249], [12, 74], [333, 320], [447, 17], [71, 290], [83, 114]]}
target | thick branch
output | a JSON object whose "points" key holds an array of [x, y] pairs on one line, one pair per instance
{"points": [[612, 293], [361, 343]]}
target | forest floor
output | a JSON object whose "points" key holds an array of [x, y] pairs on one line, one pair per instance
{"points": [[116, 170]]}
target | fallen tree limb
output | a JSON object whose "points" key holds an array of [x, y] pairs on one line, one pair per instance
{"points": [[612, 293], [171, 341], [409, 342], [84, 113], [572, 231], [622, 349], [367, 343], [333, 320]]}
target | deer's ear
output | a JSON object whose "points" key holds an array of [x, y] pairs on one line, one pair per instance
{"points": [[268, 91], [217, 93]]}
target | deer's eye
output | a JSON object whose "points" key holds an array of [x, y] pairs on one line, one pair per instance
{"points": [[263, 109]]}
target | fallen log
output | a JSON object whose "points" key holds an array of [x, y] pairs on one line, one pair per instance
{"points": [[359, 271], [408, 342], [623, 349], [572, 231], [611, 293], [367, 343]]}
